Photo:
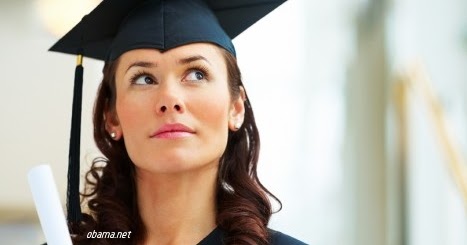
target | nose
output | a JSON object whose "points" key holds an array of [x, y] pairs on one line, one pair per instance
{"points": [[169, 101]]}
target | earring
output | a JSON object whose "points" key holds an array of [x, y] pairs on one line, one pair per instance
{"points": [[238, 125], [113, 135]]}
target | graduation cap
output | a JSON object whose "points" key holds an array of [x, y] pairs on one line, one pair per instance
{"points": [[117, 26]]}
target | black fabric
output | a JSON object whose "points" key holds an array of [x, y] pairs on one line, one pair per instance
{"points": [[117, 26], [216, 237], [279, 238], [73, 202]]}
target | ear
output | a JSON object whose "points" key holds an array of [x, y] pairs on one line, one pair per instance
{"points": [[237, 111], [112, 125]]}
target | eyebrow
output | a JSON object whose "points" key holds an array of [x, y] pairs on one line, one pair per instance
{"points": [[141, 64], [183, 61], [191, 59]]}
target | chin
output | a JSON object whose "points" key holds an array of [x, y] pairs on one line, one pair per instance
{"points": [[176, 164]]}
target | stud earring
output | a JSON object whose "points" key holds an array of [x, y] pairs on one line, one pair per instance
{"points": [[238, 125], [113, 135]]}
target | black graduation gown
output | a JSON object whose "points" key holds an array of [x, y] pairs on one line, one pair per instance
{"points": [[277, 238]]}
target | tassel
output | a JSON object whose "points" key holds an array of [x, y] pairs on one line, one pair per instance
{"points": [[73, 196]]}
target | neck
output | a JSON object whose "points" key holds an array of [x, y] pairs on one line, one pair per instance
{"points": [[177, 208]]}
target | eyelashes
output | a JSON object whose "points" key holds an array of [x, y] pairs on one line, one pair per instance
{"points": [[142, 78], [200, 72], [193, 74]]}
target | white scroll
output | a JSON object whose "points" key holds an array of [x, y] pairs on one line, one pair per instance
{"points": [[49, 209]]}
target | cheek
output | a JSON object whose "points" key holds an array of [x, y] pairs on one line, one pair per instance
{"points": [[212, 114], [134, 117], [213, 134], [131, 113], [212, 110]]}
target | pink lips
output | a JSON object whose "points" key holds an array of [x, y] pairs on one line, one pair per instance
{"points": [[173, 131]]}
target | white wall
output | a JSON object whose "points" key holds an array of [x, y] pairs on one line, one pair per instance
{"points": [[433, 33]]}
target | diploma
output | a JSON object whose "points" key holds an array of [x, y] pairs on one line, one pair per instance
{"points": [[49, 209]]}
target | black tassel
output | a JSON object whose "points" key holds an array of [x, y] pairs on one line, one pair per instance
{"points": [[73, 196]]}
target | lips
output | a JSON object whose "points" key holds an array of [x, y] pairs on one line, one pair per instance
{"points": [[175, 130]]}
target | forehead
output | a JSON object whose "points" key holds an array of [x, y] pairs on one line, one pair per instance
{"points": [[212, 53]]}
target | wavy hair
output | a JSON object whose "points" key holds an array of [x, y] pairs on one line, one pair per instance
{"points": [[243, 205]]}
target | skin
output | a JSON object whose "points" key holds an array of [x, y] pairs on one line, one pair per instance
{"points": [[175, 176]]}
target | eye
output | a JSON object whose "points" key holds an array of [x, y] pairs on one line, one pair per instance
{"points": [[195, 75], [142, 79]]}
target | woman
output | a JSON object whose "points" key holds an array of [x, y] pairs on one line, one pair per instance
{"points": [[178, 135]]}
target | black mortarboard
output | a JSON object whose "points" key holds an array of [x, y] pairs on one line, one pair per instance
{"points": [[117, 26]]}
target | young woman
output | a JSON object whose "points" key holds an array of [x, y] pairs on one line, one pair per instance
{"points": [[178, 134]]}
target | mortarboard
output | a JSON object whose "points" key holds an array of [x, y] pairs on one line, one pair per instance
{"points": [[117, 26]]}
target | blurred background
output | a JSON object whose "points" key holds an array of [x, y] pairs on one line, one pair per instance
{"points": [[361, 106]]}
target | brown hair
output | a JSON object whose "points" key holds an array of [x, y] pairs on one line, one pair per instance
{"points": [[243, 206]]}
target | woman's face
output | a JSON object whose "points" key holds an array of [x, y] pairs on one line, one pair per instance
{"points": [[174, 108]]}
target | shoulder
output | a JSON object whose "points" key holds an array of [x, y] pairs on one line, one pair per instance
{"points": [[279, 238]]}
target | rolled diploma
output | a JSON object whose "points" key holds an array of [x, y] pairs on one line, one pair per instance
{"points": [[49, 209]]}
